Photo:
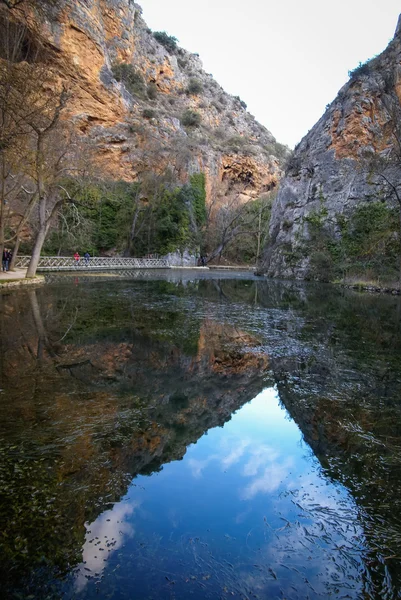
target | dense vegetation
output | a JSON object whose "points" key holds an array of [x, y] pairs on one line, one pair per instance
{"points": [[131, 218], [365, 246]]}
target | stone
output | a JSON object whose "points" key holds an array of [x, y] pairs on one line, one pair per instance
{"points": [[85, 38], [327, 169]]}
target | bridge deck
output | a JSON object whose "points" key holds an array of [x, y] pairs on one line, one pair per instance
{"points": [[67, 263]]}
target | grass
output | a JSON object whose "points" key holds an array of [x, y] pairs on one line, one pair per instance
{"points": [[367, 282]]}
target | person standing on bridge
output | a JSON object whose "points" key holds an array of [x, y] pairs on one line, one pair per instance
{"points": [[87, 259], [77, 258]]}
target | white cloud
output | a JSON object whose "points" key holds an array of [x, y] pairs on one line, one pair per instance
{"points": [[103, 537], [269, 480]]}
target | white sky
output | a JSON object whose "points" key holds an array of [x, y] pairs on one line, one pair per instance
{"points": [[286, 58]]}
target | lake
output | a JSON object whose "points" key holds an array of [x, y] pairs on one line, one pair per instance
{"points": [[181, 435]]}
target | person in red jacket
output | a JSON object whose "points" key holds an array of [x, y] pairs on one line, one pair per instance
{"points": [[77, 259]]}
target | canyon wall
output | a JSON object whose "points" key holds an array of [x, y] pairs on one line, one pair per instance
{"points": [[349, 159], [133, 98]]}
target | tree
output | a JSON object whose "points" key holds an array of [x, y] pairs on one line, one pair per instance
{"points": [[33, 138], [229, 221]]}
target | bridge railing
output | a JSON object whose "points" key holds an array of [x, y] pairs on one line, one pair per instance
{"points": [[95, 263]]}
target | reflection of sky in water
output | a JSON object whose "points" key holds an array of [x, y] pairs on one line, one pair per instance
{"points": [[246, 511]]}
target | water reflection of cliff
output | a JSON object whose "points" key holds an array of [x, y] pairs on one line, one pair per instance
{"points": [[98, 387], [344, 393], [93, 396], [336, 359]]}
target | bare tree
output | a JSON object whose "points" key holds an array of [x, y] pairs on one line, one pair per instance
{"points": [[229, 221]]}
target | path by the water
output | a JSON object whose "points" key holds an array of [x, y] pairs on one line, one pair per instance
{"points": [[17, 278], [12, 275]]}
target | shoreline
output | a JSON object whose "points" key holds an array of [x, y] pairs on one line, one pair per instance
{"points": [[11, 279]]}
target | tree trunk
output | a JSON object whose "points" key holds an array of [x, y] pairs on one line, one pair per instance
{"points": [[40, 240], [399, 233], [14, 254]]}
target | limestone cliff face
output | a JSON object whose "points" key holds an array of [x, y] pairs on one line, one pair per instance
{"points": [[328, 176], [140, 129]]}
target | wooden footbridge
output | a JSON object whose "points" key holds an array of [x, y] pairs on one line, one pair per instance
{"points": [[96, 263]]}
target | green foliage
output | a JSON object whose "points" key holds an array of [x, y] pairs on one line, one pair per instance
{"points": [[171, 223], [367, 244], [130, 77], [152, 91], [241, 102], [98, 221], [217, 105], [166, 217], [236, 142], [321, 265], [279, 150], [198, 192], [168, 41], [361, 69], [191, 118], [182, 62], [148, 113], [195, 86]]}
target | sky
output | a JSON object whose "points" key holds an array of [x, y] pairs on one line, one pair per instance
{"points": [[287, 59]]}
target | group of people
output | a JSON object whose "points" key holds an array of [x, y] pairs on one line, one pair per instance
{"points": [[77, 259], [6, 259]]}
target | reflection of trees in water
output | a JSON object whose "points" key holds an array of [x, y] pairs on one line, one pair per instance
{"points": [[99, 390], [96, 406]]}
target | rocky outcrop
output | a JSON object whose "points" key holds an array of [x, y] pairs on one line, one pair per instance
{"points": [[139, 126], [328, 176]]}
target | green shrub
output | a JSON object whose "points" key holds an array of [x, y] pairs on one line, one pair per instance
{"points": [[182, 63], [148, 113], [321, 266], [198, 186], [191, 118], [219, 133], [217, 105], [130, 77], [168, 41], [241, 102], [152, 90], [361, 69], [236, 142], [195, 86]]}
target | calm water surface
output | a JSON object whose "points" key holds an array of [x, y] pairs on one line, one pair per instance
{"points": [[199, 437]]}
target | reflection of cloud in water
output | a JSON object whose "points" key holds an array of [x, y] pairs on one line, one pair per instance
{"points": [[261, 463], [231, 455], [269, 480], [197, 466], [258, 459], [235, 454], [102, 538]]}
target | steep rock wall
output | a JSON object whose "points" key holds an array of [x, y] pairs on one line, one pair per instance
{"points": [[85, 38], [328, 176]]}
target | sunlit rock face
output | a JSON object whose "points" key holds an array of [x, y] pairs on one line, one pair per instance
{"points": [[84, 39], [328, 174]]}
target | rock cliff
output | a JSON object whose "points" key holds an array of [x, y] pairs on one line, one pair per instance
{"points": [[146, 104], [337, 168]]}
